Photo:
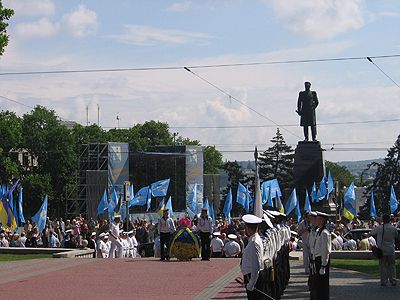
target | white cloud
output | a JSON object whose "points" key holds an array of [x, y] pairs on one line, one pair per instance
{"points": [[147, 36], [320, 19], [42, 28], [31, 7], [179, 6], [81, 22]]}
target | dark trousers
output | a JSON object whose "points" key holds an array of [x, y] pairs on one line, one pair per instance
{"points": [[165, 239], [256, 295], [313, 132], [320, 283], [216, 254], [205, 245]]}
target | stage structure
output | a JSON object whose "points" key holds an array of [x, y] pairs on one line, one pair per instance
{"points": [[101, 166]]}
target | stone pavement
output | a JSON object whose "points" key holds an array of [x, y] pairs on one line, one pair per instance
{"points": [[150, 279]]}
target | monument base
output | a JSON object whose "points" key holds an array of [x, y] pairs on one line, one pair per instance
{"points": [[309, 167]]}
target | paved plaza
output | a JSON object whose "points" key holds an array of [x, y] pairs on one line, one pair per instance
{"points": [[151, 279]]}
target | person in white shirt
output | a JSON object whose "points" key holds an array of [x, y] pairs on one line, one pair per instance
{"points": [[303, 230], [217, 245], [204, 226], [232, 247], [166, 227], [252, 258], [350, 244], [323, 248], [132, 244], [116, 250], [125, 244], [102, 247]]}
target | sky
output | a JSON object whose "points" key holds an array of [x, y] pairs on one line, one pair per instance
{"points": [[241, 105]]}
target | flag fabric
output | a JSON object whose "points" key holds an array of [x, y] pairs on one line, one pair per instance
{"points": [[292, 202], [349, 210], [169, 207], [40, 217], [322, 191], [307, 204], [314, 192], [228, 206], [241, 197], [279, 204], [192, 203], [331, 184], [161, 207], [14, 207], [393, 201], [6, 215], [270, 203], [148, 199], [140, 198], [372, 209], [113, 203], [297, 211], [249, 200], [206, 205], [160, 188], [103, 204], [212, 215], [20, 210], [258, 209]]}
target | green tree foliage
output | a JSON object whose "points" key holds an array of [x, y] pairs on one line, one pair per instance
{"points": [[36, 186], [277, 162], [339, 174], [5, 14], [212, 160]]}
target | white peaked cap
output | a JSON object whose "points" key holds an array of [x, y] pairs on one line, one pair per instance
{"points": [[232, 236], [251, 219], [268, 221]]}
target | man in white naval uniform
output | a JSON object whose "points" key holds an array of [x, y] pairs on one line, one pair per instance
{"points": [[116, 250], [102, 247], [232, 248], [252, 259]]}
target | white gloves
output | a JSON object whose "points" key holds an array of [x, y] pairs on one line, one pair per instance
{"points": [[249, 287], [322, 271]]}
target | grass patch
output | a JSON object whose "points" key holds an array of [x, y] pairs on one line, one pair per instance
{"points": [[9, 257], [370, 267]]}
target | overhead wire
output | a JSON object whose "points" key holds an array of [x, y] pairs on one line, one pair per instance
{"points": [[383, 72]]}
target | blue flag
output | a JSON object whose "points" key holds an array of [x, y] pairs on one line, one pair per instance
{"points": [[349, 210], [292, 202], [205, 204], [212, 215], [140, 198], [393, 201], [40, 217], [297, 211], [372, 209], [242, 197], [331, 184], [169, 207], [314, 192], [307, 204], [148, 199], [14, 208], [113, 203], [21, 212], [160, 188], [228, 206], [322, 191], [103, 204], [192, 203]]}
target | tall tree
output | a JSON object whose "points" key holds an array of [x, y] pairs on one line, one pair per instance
{"points": [[277, 162], [5, 15], [340, 174], [212, 160]]}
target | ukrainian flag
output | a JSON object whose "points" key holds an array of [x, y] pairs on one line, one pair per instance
{"points": [[349, 210], [7, 217]]}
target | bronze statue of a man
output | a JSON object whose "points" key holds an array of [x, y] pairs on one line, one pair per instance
{"points": [[306, 105]]}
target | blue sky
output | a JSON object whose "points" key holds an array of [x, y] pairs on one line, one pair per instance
{"points": [[74, 35]]}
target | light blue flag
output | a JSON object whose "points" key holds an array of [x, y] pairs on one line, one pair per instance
{"points": [[322, 191], [161, 204], [331, 184], [15, 212], [113, 203], [291, 203], [249, 201], [103, 204], [206, 205], [393, 201], [140, 198], [297, 211], [169, 206], [148, 199], [192, 203], [279, 204], [241, 197], [372, 209], [228, 206], [307, 204], [314, 192], [21, 212], [160, 188], [349, 210], [40, 217], [212, 215]]}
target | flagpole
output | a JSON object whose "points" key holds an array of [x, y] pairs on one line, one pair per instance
{"points": [[397, 145]]}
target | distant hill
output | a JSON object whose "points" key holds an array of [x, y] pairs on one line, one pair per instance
{"points": [[355, 167]]}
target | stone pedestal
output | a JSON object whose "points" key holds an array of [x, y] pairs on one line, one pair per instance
{"points": [[309, 167]]}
